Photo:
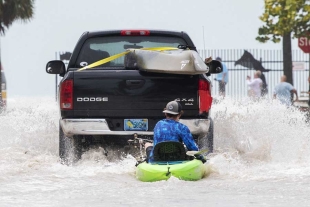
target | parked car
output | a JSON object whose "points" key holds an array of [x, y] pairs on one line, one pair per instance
{"points": [[3, 104]]}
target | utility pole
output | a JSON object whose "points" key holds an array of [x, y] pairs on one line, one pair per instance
{"points": [[56, 80]]}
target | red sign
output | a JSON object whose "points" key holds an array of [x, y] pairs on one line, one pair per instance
{"points": [[304, 44]]}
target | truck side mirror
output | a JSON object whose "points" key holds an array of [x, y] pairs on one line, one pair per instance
{"points": [[215, 66], [56, 67]]}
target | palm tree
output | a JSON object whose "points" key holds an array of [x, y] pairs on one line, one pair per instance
{"points": [[10, 11]]}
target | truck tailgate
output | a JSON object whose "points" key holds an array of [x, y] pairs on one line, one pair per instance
{"points": [[132, 93]]}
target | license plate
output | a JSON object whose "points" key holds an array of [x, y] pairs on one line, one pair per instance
{"points": [[135, 124]]}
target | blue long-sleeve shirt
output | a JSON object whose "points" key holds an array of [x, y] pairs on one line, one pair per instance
{"points": [[171, 130]]}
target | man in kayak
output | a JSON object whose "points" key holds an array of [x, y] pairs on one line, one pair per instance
{"points": [[170, 129]]}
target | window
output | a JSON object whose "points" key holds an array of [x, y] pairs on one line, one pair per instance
{"points": [[98, 48]]}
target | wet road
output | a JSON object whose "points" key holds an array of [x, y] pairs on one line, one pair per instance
{"points": [[262, 159]]}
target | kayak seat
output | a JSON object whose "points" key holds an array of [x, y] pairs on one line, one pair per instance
{"points": [[169, 151]]}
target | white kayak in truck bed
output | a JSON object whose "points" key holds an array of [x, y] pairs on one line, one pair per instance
{"points": [[170, 61]]}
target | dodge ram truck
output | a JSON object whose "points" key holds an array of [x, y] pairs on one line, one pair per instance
{"points": [[111, 103]]}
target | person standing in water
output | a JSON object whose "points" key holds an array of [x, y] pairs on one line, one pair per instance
{"points": [[283, 92], [264, 89], [222, 78], [255, 85]]}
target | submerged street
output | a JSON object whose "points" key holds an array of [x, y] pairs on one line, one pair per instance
{"points": [[261, 159]]}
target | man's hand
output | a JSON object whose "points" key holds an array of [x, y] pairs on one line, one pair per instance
{"points": [[147, 144], [208, 60], [295, 91], [201, 157]]}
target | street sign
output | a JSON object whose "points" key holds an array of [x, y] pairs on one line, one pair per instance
{"points": [[304, 44], [299, 66]]}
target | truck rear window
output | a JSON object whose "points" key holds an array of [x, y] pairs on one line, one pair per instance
{"points": [[98, 48]]}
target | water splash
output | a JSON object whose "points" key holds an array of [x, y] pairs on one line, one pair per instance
{"points": [[30, 123], [253, 140]]}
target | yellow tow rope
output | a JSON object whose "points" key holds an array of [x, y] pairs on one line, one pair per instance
{"points": [[113, 57]]}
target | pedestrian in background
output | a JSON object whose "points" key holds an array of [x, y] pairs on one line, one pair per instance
{"points": [[264, 89], [283, 92], [222, 78], [255, 86]]}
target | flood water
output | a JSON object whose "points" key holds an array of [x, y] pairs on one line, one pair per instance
{"points": [[262, 159]]}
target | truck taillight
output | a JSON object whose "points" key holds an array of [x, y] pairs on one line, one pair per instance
{"points": [[135, 32], [205, 99], [66, 95]]}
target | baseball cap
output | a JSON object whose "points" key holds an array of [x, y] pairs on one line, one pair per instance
{"points": [[173, 107], [218, 58]]}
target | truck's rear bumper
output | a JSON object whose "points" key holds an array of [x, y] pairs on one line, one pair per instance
{"points": [[71, 127]]}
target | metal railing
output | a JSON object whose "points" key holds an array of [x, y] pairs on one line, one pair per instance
{"points": [[237, 88]]}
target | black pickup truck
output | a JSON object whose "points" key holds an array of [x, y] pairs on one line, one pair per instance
{"points": [[111, 103]]}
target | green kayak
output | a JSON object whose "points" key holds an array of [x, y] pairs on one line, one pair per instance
{"points": [[189, 170]]}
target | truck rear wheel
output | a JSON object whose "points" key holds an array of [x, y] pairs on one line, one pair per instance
{"points": [[210, 136], [206, 142], [70, 148]]}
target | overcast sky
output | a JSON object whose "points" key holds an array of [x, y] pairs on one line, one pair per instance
{"points": [[57, 25]]}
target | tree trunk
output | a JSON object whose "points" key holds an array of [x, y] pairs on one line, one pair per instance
{"points": [[287, 58]]}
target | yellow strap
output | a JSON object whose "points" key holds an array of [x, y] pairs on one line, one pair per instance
{"points": [[159, 48], [105, 60], [113, 57]]}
